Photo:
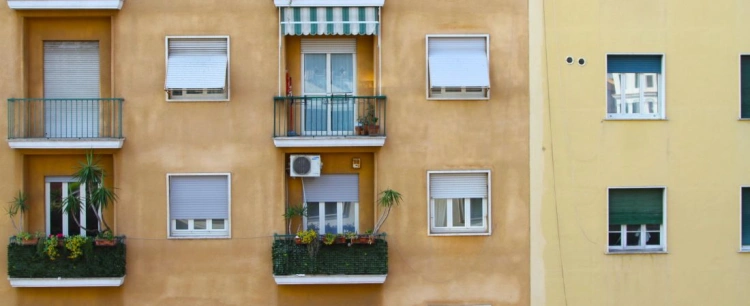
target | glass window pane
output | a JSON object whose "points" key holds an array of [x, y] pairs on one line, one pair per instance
{"points": [[342, 113], [313, 216], [614, 238], [653, 227], [315, 73], [477, 212], [199, 224], [632, 239], [459, 213], [632, 91], [651, 94], [440, 212], [316, 114], [652, 238], [217, 224], [349, 218], [181, 224], [56, 201], [633, 228], [342, 73], [613, 93], [331, 217]]}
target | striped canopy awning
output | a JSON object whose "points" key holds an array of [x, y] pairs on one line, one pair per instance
{"points": [[329, 20]]}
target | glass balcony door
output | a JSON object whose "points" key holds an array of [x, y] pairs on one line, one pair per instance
{"points": [[328, 85]]}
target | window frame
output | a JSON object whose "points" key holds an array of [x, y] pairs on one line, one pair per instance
{"points": [[340, 209], [662, 248], [201, 234], [82, 216], [463, 95], [205, 96], [486, 230], [660, 82], [743, 248], [739, 88]]}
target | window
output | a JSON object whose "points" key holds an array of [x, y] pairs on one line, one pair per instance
{"points": [[745, 86], [199, 205], [745, 218], [328, 69], [57, 189], [197, 68], [459, 202], [458, 67], [636, 219], [627, 97], [332, 202]]}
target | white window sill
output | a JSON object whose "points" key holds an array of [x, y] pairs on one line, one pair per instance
{"points": [[636, 251], [198, 100], [438, 234], [634, 119], [67, 282], [197, 237], [62, 143], [743, 119], [744, 249], [303, 279], [65, 5], [458, 99]]}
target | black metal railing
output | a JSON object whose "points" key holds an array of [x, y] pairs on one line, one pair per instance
{"points": [[65, 118], [336, 115]]}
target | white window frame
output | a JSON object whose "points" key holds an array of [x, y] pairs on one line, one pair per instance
{"points": [[339, 216], [660, 82], [65, 180], [205, 96], [468, 230], [208, 233], [641, 248], [455, 93]]}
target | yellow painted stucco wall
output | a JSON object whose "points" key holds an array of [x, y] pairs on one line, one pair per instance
{"points": [[170, 137], [698, 153]]}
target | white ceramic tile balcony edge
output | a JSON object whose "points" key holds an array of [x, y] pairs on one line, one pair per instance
{"points": [[302, 279], [67, 282], [65, 144], [351, 141], [65, 4], [319, 3]]}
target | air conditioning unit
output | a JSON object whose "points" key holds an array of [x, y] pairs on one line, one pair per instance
{"points": [[304, 166]]}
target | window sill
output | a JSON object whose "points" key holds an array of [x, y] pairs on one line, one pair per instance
{"points": [[207, 100], [744, 249], [459, 99], [66, 282], [635, 252], [302, 279], [197, 237], [634, 119], [458, 234], [743, 119]]}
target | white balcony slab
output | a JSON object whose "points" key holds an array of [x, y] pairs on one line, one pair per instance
{"points": [[67, 282], [44, 143], [319, 3], [302, 279], [332, 141], [65, 4]]}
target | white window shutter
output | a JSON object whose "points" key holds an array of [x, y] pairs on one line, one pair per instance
{"points": [[329, 45], [458, 185], [197, 63], [458, 62], [199, 197]]}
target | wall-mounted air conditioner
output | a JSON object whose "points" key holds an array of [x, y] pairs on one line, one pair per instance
{"points": [[304, 165]]}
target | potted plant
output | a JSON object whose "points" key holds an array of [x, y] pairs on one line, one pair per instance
{"points": [[351, 236], [329, 239], [306, 237], [297, 211], [18, 207], [105, 238], [340, 239], [388, 198], [370, 120]]}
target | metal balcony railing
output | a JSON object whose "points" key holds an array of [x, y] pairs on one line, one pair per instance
{"points": [[34, 118], [337, 115]]}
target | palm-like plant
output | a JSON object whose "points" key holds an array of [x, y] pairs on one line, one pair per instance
{"points": [[18, 205], [97, 197], [388, 198]]}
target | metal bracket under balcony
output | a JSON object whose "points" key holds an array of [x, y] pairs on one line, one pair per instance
{"points": [[37, 123], [329, 121]]}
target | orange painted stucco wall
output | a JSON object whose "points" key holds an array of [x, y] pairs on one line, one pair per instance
{"points": [[236, 136]]}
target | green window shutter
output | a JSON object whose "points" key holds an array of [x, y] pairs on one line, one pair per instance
{"points": [[745, 216], [745, 86], [636, 206]]}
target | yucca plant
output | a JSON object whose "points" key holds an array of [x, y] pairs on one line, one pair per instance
{"points": [[388, 198], [97, 196], [18, 205]]}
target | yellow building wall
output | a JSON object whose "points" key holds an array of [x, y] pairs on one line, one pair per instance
{"points": [[236, 137], [697, 153]]}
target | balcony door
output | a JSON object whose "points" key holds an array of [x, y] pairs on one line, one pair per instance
{"points": [[328, 69], [71, 89], [56, 190]]}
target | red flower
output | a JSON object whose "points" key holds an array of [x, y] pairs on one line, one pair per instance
{"points": [[60, 235]]}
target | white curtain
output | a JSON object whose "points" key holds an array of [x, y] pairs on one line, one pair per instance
{"points": [[459, 212], [342, 73], [441, 212]]}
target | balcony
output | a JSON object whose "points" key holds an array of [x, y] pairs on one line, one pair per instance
{"points": [[99, 266], [346, 263], [36, 123], [329, 121], [65, 4]]}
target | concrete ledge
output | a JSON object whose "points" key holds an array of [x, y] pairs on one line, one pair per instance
{"points": [[65, 4], [44, 143], [67, 282], [309, 142], [302, 279]]}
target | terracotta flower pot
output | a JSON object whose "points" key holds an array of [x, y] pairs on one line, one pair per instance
{"points": [[105, 242], [30, 241]]}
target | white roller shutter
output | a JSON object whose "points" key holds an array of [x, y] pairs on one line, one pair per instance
{"points": [[458, 62], [458, 185], [71, 73], [197, 63], [332, 188], [199, 197], [329, 45]]}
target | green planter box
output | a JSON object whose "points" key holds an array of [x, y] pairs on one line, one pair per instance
{"points": [[101, 262], [337, 259]]}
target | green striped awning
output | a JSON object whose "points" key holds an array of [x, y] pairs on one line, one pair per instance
{"points": [[329, 20]]}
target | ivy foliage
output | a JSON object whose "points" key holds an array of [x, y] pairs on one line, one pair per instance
{"points": [[358, 259], [27, 262]]}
